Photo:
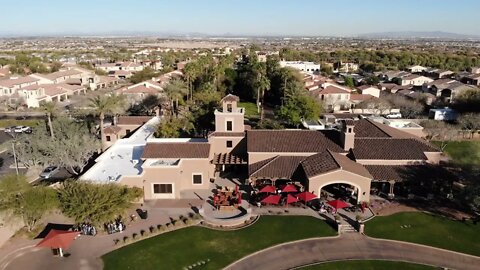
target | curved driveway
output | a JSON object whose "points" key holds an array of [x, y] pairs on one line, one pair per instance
{"points": [[352, 246]]}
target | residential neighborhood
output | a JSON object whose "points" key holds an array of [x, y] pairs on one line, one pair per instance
{"points": [[201, 141]]}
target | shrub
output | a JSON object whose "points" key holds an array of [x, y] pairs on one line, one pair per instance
{"points": [[126, 239], [160, 228], [189, 221], [143, 232], [116, 241], [134, 236], [153, 229]]}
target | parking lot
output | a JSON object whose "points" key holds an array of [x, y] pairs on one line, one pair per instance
{"points": [[7, 163]]}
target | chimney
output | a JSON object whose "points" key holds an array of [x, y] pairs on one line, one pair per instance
{"points": [[347, 134], [115, 120], [157, 111]]}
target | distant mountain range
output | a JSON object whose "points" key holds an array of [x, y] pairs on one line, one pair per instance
{"points": [[419, 34], [189, 35]]}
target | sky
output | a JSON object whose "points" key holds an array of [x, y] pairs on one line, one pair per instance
{"points": [[238, 17]]}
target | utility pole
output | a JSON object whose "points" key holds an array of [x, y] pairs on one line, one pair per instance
{"points": [[15, 157]]}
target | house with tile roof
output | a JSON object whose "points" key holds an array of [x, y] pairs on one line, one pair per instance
{"points": [[415, 80], [359, 152], [369, 90], [335, 97]]}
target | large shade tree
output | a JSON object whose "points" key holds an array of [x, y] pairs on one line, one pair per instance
{"points": [[22, 200], [299, 107], [97, 203], [72, 147]]}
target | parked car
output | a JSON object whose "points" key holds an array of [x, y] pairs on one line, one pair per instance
{"points": [[9, 129], [49, 172], [22, 129], [394, 116]]}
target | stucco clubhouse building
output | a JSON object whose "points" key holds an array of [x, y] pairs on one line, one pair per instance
{"points": [[357, 152]]}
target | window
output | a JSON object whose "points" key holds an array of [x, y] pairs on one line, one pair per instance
{"points": [[229, 144], [108, 138], [229, 107], [229, 125], [197, 179], [162, 188]]}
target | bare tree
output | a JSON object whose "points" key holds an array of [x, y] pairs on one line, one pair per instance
{"points": [[408, 108], [375, 106], [439, 131], [470, 122]]}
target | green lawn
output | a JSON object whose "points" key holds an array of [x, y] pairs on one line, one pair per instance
{"points": [[13, 122], [463, 153], [250, 109], [428, 230], [368, 265], [184, 247]]}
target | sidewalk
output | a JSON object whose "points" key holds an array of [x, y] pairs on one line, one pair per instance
{"points": [[85, 251]]}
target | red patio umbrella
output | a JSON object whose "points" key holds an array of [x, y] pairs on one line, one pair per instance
{"points": [[57, 239], [271, 199], [306, 196], [268, 189], [338, 204], [291, 199], [289, 188]]}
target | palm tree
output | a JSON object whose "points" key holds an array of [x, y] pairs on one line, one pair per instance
{"points": [[103, 105], [50, 109], [262, 83], [176, 90], [191, 71]]}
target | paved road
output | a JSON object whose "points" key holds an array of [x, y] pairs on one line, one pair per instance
{"points": [[352, 246]]}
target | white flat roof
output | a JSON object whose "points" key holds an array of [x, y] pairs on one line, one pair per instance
{"points": [[123, 157]]}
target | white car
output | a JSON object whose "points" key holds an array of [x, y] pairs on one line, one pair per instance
{"points": [[9, 129], [22, 129], [394, 116], [49, 172]]}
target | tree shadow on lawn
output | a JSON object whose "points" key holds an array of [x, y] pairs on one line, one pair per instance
{"points": [[431, 185]]}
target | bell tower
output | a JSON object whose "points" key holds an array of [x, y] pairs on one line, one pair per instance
{"points": [[347, 134], [230, 118]]}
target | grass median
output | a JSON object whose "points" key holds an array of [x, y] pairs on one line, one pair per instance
{"points": [[426, 229], [185, 247]]}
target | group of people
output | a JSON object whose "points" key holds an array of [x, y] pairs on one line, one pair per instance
{"points": [[115, 226], [86, 229]]}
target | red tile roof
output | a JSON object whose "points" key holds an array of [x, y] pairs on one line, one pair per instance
{"points": [[293, 141], [391, 149], [226, 134], [133, 120], [287, 167], [176, 150], [332, 90], [112, 130], [278, 167], [230, 98], [328, 161]]}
